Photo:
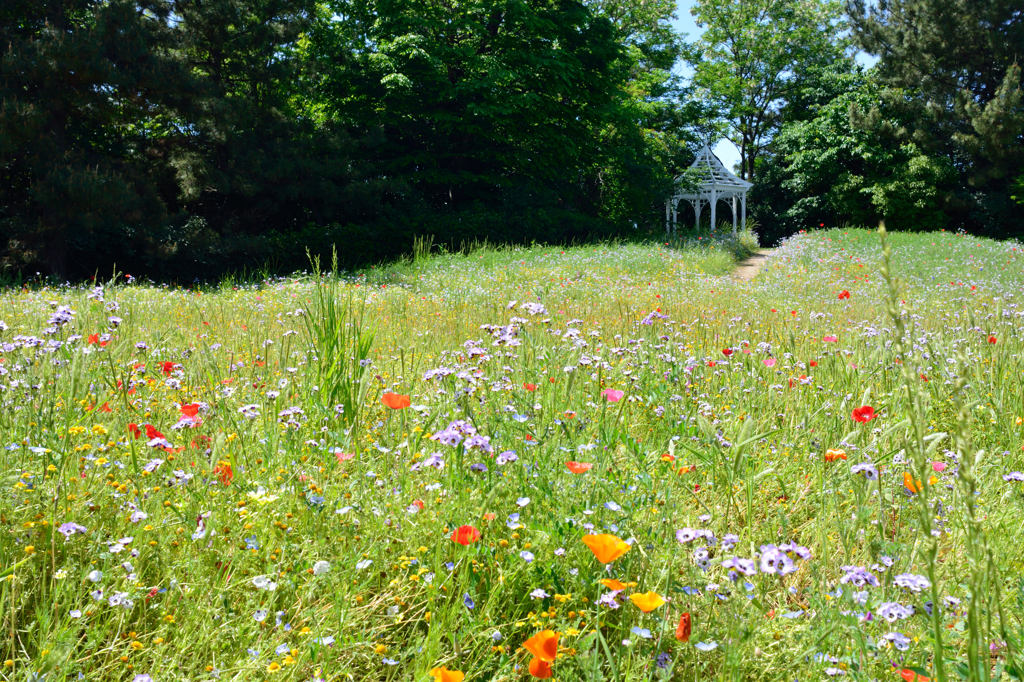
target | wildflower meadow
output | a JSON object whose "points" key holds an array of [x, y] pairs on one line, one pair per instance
{"points": [[608, 462]]}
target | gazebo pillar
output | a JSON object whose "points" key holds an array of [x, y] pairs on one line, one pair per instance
{"points": [[733, 215], [714, 205], [743, 200]]}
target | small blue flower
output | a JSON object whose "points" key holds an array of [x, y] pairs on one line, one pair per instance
{"points": [[641, 632], [468, 601]]}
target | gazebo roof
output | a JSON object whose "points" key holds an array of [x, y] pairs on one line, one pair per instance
{"points": [[712, 173]]}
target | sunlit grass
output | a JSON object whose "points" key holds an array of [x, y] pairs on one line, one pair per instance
{"points": [[732, 393]]}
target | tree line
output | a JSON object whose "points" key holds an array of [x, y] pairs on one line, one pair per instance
{"points": [[187, 138]]}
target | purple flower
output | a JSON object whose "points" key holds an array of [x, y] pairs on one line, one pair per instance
{"points": [[608, 599], [898, 639], [685, 535], [664, 658], [914, 583], [773, 560], [728, 541], [143, 677], [859, 576], [539, 594], [506, 457], [526, 556], [70, 528], [744, 566], [1014, 476], [482, 442], [468, 601], [791, 549], [866, 469], [892, 611], [523, 501], [479, 467]]}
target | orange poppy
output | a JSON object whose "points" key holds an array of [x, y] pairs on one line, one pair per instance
{"points": [[530, 387], [668, 458], [684, 628], [190, 410], [647, 602], [686, 469], [540, 669], [579, 467], [910, 484], [443, 674], [607, 548], [911, 676], [489, 516], [465, 535], [395, 401], [223, 472], [105, 407], [543, 645], [613, 584], [832, 455]]}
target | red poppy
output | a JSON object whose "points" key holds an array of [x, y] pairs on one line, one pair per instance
{"points": [[911, 676], [465, 535], [530, 387], [167, 368], [551, 379], [924, 378], [223, 472], [991, 339], [134, 429], [712, 363], [684, 628], [105, 407], [844, 294], [190, 410], [395, 401], [152, 433], [812, 363], [727, 352], [864, 414], [93, 339], [418, 503], [579, 467]]}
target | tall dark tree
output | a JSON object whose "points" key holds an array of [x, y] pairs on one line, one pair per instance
{"points": [[76, 78], [954, 63]]}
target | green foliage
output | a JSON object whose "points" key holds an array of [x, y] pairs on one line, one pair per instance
{"points": [[847, 164], [753, 56], [953, 67]]}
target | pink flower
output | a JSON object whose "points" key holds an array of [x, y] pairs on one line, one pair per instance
{"points": [[344, 456], [612, 395], [830, 339], [938, 467], [770, 362]]}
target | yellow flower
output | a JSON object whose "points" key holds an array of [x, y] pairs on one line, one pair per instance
{"points": [[273, 667], [30, 550]]}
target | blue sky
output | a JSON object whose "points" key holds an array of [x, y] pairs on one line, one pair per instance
{"points": [[725, 150]]}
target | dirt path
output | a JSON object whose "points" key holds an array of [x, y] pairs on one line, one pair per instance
{"points": [[749, 268]]}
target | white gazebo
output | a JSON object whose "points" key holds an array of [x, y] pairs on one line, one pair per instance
{"points": [[716, 183]]}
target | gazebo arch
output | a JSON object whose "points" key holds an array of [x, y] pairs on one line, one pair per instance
{"points": [[716, 182]]}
